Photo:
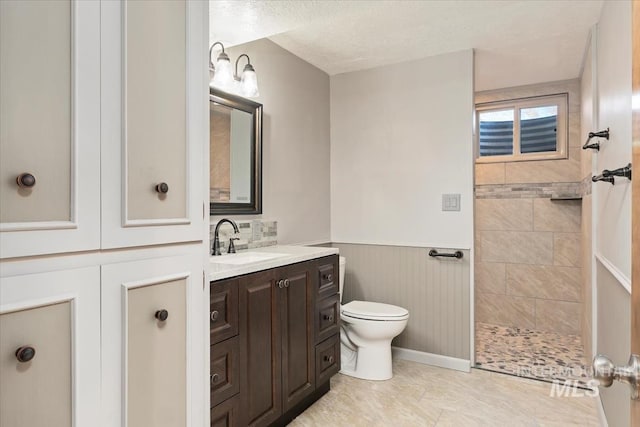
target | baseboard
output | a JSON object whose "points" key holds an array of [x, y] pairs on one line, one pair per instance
{"points": [[432, 359], [601, 414]]}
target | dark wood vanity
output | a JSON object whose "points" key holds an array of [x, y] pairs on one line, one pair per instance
{"points": [[275, 342]]}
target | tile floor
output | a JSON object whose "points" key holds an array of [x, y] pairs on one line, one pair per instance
{"points": [[421, 395], [529, 353]]}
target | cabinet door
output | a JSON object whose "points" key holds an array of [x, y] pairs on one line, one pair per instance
{"points": [[298, 352], [260, 382], [152, 336], [50, 349], [154, 106], [226, 414], [49, 127], [223, 310]]}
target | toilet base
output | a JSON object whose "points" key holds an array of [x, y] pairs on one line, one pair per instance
{"points": [[371, 363]]}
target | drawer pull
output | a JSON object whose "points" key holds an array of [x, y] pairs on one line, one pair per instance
{"points": [[26, 180], [280, 283], [214, 378], [328, 276], [328, 317], [162, 188], [286, 283], [162, 315], [329, 359], [25, 353], [214, 315]]}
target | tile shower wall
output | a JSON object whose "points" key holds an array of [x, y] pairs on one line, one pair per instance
{"points": [[266, 234], [528, 246]]}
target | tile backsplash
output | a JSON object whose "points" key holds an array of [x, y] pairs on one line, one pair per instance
{"points": [[253, 234]]}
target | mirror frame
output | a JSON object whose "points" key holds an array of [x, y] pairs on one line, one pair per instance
{"points": [[255, 109]]}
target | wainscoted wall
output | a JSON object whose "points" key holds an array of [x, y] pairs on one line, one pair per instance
{"points": [[528, 247], [435, 291]]}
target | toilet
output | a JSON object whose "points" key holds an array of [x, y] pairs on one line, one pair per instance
{"points": [[365, 336]]}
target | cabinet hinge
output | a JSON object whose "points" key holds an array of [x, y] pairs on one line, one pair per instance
{"points": [[203, 280], [203, 210]]}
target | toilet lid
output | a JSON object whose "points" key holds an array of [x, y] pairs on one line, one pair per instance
{"points": [[374, 310]]}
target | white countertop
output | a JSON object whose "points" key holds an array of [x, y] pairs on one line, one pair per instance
{"points": [[221, 268]]}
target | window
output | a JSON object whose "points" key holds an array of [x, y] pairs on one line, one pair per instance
{"points": [[522, 129]]}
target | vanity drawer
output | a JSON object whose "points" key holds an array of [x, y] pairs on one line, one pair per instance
{"points": [[327, 359], [225, 370], [328, 277], [226, 414], [223, 312], [327, 318]]}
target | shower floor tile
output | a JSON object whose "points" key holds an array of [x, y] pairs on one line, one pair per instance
{"points": [[529, 353]]}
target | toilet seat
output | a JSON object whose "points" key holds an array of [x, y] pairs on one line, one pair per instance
{"points": [[374, 311]]}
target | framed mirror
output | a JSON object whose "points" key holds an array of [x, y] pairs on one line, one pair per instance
{"points": [[235, 145]]}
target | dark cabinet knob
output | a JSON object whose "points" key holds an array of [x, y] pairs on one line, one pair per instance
{"points": [[26, 180], [286, 283], [328, 277], [281, 283], [214, 315], [162, 188], [329, 359], [162, 315], [328, 317], [214, 378], [25, 353]]}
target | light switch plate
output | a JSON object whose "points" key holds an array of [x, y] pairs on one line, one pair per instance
{"points": [[451, 202]]}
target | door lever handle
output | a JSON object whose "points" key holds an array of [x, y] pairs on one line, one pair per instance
{"points": [[606, 373]]}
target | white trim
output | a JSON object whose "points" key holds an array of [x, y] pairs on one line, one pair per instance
{"points": [[615, 272], [158, 280], [313, 243], [601, 414], [594, 211], [40, 225], [37, 303], [432, 359], [464, 247], [561, 100], [153, 222]]}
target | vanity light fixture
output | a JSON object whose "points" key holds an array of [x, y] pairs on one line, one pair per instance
{"points": [[249, 80], [222, 76], [220, 73]]}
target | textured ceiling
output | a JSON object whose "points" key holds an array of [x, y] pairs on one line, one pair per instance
{"points": [[516, 42]]}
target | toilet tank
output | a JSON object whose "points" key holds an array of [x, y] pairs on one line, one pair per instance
{"points": [[342, 268]]}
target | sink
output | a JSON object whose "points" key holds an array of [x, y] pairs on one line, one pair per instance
{"points": [[245, 258]]}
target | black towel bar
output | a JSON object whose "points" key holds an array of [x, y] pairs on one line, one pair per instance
{"points": [[456, 254]]}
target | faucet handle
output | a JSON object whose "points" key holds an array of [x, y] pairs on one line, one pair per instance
{"points": [[232, 248]]}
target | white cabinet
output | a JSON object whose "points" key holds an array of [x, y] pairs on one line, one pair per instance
{"points": [[49, 127], [103, 142], [152, 342], [154, 93], [50, 348], [103, 124]]}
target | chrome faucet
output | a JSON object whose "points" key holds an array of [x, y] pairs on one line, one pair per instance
{"points": [[216, 239]]}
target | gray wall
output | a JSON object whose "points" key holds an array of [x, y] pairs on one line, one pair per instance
{"points": [[295, 178], [435, 291]]}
